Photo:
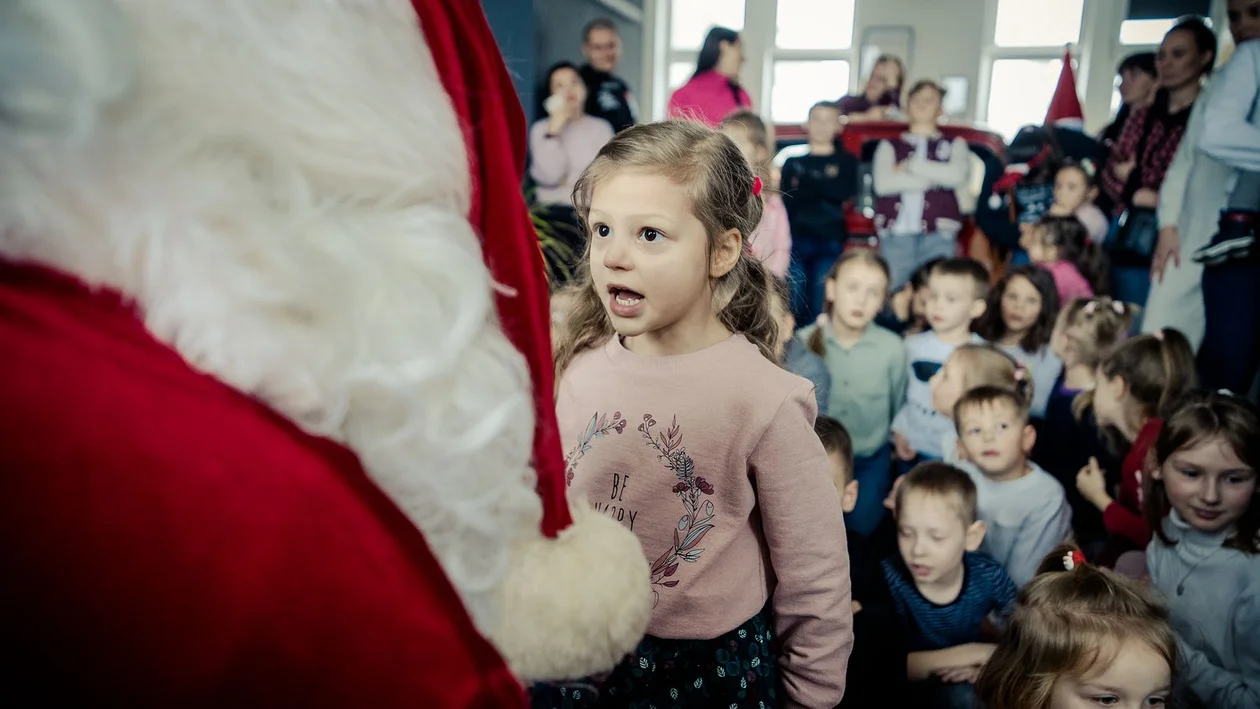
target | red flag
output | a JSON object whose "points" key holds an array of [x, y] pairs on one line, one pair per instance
{"points": [[1065, 106]]}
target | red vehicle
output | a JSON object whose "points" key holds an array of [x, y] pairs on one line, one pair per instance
{"points": [[988, 151]]}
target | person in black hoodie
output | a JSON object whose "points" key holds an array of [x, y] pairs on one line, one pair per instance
{"points": [[877, 666], [815, 188], [607, 95]]}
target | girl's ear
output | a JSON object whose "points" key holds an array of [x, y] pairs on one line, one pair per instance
{"points": [[725, 253]]}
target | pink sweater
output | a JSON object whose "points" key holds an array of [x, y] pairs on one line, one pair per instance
{"points": [[772, 240], [1069, 281], [711, 459], [707, 98]]}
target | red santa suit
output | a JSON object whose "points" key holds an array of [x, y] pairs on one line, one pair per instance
{"points": [[266, 437]]}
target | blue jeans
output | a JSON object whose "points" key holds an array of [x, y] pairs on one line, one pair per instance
{"points": [[873, 474], [906, 253], [807, 278], [1132, 284], [1230, 352]]}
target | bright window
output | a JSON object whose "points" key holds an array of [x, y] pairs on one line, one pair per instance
{"points": [[1019, 93], [691, 20], [679, 72], [1144, 31], [813, 24], [800, 84], [1038, 23]]}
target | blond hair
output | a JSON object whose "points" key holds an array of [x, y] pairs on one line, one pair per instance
{"points": [[1070, 622], [868, 257], [1095, 325], [984, 365], [759, 133], [719, 182]]}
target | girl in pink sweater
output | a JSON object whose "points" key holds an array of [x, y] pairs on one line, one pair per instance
{"points": [[771, 241], [1061, 245], [680, 425]]}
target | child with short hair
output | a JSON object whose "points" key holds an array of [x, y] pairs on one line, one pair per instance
{"points": [[956, 297], [771, 241], [906, 312], [1085, 331], [816, 187], [917, 175], [867, 365], [1061, 246], [1022, 506], [1081, 636], [942, 589], [877, 662], [1019, 320], [671, 310], [1137, 384], [1205, 557], [1075, 189], [968, 367]]}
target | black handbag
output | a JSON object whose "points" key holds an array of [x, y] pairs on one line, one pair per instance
{"points": [[1137, 232]]}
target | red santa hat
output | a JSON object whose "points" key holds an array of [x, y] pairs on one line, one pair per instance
{"points": [[1065, 105], [590, 624]]}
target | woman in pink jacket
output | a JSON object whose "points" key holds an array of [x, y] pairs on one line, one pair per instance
{"points": [[713, 92]]}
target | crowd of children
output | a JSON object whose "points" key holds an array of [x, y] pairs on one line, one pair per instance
{"points": [[954, 493]]}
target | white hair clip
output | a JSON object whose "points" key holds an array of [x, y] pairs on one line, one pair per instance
{"points": [[1073, 559]]}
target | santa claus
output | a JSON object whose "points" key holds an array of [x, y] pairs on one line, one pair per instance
{"points": [[265, 439]]}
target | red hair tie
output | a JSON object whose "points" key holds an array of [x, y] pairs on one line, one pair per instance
{"points": [[1073, 559], [756, 186]]}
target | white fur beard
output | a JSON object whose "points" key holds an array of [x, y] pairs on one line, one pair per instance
{"points": [[282, 188]]}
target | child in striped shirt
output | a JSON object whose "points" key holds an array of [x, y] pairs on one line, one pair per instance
{"points": [[942, 589]]}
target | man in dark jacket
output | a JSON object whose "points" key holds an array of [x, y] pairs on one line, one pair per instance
{"points": [[607, 95]]}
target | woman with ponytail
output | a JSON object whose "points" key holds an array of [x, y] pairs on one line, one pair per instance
{"points": [[1136, 386]]}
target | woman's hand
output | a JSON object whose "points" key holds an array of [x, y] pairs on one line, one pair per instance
{"points": [[1168, 248], [557, 115], [1146, 197], [1122, 170], [1093, 485]]}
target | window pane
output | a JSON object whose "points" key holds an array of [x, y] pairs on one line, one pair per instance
{"points": [[691, 20], [679, 72], [1038, 23], [1020, 92], [814, 24], [1144, 31], [800, 84]]}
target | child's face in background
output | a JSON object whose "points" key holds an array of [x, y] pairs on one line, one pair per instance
{"points": [[1033, 240], [932, 536], [823, 125], [947, 386], [952, 303], [924, 107], [1071, 189], [1021, 305], [856, 294], [1137, 677], [846, 486], [753, 152], [1208, 485], [996, 437], [1061, 342]]}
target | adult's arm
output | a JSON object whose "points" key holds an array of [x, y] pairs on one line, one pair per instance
{"points": [[549, 160], [1228, 134]]}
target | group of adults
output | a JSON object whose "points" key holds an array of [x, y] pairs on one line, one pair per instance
{"points": [[582, 107], [1174, 156]]}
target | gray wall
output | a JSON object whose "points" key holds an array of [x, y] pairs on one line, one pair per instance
{"points": [[557, 28]]}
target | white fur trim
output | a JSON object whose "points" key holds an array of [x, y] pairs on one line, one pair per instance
{"points": [[281, 185], [575, 605]]}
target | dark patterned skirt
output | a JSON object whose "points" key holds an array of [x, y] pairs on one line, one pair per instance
{"points": [[736, 670]]}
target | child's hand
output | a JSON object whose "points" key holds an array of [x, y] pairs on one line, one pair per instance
{"points": [[857, 607], [901, 302], [903, 449], [959, 675], [1092, 484]]}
